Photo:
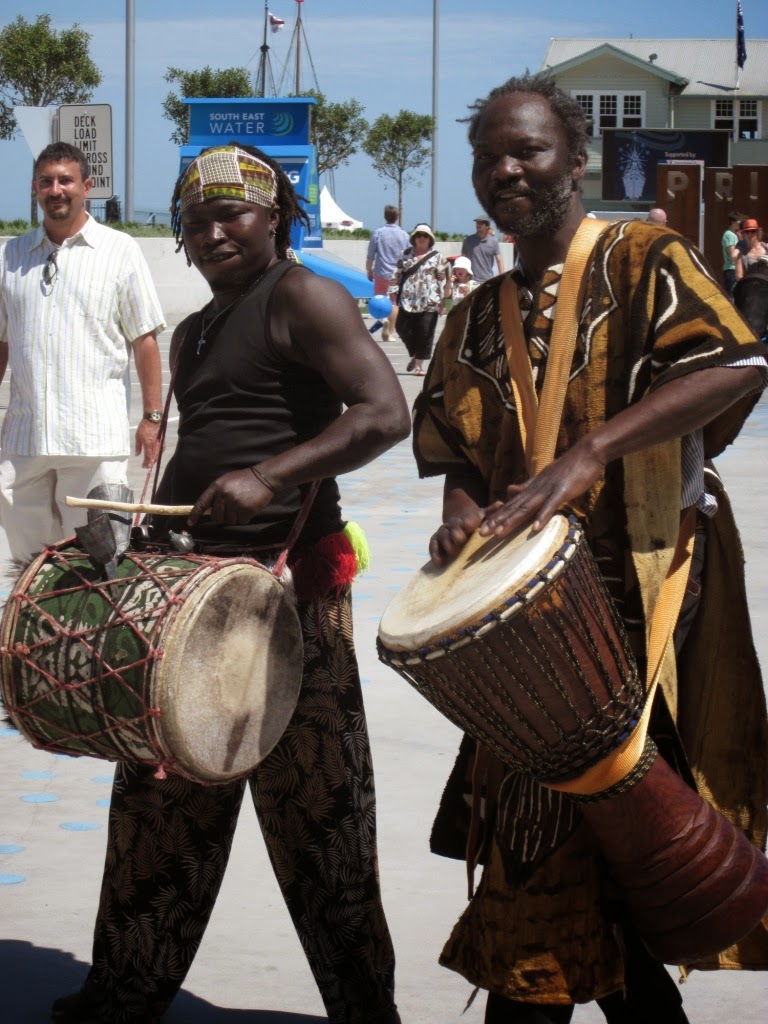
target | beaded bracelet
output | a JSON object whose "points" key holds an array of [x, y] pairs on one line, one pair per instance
{"points": [[262, 479]]}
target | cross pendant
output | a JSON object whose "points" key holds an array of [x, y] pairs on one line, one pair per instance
{"points": [[200, 343]]}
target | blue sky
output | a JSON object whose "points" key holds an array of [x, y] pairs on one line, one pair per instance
{"points": [[378, 52]]}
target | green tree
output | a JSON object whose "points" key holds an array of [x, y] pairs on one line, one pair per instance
{"points": [[215, 82], [338, 130], [40, 67], [398, 147]]}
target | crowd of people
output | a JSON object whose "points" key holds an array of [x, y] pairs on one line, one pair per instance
{"points": [[280, 387]]}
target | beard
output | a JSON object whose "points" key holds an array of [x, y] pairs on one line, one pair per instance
{"points": [[58, 210], [550, 205]]}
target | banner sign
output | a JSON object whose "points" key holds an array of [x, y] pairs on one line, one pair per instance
{"points": [[630, 158]]}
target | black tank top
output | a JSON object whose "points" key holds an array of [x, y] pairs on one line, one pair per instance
{"points": [[240, 401]]}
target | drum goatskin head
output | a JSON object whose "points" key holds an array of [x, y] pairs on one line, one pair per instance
{"points": [[437, 602], [229, 680]]}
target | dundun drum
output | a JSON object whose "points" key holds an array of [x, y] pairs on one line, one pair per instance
{"points": [[517, 643], [187, 663]]}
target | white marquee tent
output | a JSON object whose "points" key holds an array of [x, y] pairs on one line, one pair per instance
{"points": [[332, 215]]}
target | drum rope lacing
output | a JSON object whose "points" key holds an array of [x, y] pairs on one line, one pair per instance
{"points": [[117, 593], [487, 695]]}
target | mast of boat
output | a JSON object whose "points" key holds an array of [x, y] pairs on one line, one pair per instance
{"points": [[264, 56], [295, 51]]}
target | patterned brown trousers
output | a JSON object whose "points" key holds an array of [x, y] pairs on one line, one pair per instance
{"points": [[169, 843]]}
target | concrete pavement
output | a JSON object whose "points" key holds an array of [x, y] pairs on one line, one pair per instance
{"points": [[250, 969]]}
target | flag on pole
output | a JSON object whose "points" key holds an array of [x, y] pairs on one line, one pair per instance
{"points": [[741, 46], [276, 23]]}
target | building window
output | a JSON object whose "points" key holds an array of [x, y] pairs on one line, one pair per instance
{"points": [[633, 112], [748, 127], [614, 109], [585, 101], [608, 111], [724, 115], [739, 117]]}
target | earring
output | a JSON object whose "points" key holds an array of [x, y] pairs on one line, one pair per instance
{"points": [[271, 232]]}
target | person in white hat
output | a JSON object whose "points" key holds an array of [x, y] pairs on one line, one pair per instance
{"points": [[463, 279], [420, 286]]}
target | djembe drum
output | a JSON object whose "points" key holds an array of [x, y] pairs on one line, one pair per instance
{"points": [[190, 664], [518, 643]]}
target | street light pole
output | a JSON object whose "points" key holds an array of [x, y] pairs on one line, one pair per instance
{"points": [[130, 61], [435, 74]]}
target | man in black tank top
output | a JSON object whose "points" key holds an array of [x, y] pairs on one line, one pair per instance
{"points": [[278, 385]]}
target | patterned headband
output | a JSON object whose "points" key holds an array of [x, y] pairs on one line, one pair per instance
{"points": [[228, 173]]}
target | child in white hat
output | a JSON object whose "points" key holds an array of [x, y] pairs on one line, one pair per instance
{"points": [[463, 281]]}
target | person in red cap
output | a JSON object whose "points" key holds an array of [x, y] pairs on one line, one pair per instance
{"points": [[754, 251]]}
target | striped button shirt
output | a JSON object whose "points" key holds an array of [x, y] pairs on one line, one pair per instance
{"points": [[69, 338]]}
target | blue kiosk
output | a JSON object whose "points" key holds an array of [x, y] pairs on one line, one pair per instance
{"points": [[281, 128]]}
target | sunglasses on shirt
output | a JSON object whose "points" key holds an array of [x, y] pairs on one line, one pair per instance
{"points": [[50, 269]]}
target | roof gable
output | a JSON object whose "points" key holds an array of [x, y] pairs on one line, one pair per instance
{"points": [[705, 67], [607, 49]]}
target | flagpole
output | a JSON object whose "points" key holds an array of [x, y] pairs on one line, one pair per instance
{"points": [[130, 64]]}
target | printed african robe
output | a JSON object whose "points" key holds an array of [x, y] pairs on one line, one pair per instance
{"points": [[541, 925]]}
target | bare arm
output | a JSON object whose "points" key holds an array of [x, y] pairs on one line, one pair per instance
{"points": [[316, 323], [672, 410], [464, 498], [500, 262], [147, 357]]}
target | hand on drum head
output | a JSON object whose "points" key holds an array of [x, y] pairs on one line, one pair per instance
{"points": [[446, 543], [233, 499], [539, 499]]}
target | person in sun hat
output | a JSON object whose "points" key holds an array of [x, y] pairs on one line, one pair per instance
{"points": [[463, 280], [420, 286], [278, 385]]}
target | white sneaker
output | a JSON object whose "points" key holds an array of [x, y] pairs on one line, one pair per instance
{"points": [[385, 331]]}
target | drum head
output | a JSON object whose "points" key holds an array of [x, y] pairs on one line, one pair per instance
{"points": [[229, 679], [437, 602]]}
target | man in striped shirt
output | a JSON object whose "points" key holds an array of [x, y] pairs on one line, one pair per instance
{"points": [[75, 299]]}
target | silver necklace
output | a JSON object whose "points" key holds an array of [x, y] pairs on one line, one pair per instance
{"points": [[207, 326]]}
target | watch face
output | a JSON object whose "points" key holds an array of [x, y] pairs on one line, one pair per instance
{"points": [[154, 416]]}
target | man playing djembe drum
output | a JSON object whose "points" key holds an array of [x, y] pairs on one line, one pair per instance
{"points": [[663, 374], [262, 373]]}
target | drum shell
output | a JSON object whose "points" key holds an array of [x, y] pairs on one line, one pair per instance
{"points": [[552, 689], [692, 884], [153, 667]]}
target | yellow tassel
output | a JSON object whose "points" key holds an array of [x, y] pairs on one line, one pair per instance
{"points": [[356, 537]]}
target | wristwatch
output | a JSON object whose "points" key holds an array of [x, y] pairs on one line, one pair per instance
{"points": [[154, 416]]}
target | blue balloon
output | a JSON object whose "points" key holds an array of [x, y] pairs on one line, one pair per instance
{"points": [[379, 306]]}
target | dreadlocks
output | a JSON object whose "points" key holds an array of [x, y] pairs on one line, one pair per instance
{"points": [[286, 202], [567, 110]]}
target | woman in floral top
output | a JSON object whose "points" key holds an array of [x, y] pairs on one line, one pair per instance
{"points": [[420, 286]]}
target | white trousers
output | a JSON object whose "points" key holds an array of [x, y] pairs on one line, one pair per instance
{"points": [[33, 489]]}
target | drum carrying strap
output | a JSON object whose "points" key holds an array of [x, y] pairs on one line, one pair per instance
{"points": [[539, 424]]}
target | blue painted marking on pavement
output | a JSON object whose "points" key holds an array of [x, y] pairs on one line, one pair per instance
{"points": [[39, 798], [103, 801], [102, 778], [9, 732], [38, 775], [80, 826], [11, 879], [10, 848]]}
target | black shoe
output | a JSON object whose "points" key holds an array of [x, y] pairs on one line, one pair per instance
{"points": [[80, 1008]]}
